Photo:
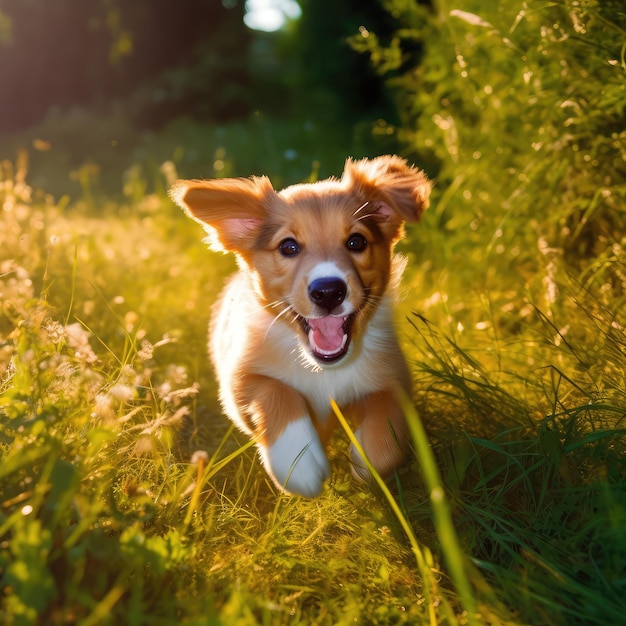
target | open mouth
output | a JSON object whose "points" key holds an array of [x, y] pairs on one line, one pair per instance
{"points": [[329, 337]]}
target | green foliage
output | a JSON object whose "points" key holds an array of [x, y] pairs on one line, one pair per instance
{"points": [[521, 109], [87, 429], [126, 498], [107, 515], [517, 303]]}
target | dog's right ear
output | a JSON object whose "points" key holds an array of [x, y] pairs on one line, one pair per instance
{"points": [[231, 210]]}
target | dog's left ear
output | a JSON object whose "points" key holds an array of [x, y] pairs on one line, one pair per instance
{"points": [[231, 210], [403, 189]]}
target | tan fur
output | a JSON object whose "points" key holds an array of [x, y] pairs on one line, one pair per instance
{"points": [[268, 378]]}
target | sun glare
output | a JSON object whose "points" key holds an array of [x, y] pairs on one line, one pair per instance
{"points": [[270, 15]]}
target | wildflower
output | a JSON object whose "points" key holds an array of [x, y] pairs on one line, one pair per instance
{"points": [[15, 282], [78, 339], [146, 351], [174, 396], [63, 369], [199, 456], [103, 407], [143, 446], [130, 320], [55, 330], [177, 374], [122, 393], [166, 420], [128, 373]]}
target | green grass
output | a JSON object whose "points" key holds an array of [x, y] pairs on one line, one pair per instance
{"points": [[127, 498], [108, 517], [106, 396]]}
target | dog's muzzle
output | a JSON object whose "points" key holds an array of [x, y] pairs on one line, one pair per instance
{"points": [[329, 335]]}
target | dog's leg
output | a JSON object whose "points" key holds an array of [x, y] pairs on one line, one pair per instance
{"points": [[288, 443], [382, 433], [296, 460]]}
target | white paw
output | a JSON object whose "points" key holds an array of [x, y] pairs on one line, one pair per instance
{"points": [[296, 460]]}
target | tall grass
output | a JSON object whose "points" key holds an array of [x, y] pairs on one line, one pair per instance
{"points": [[125, 496], [518, 306]]}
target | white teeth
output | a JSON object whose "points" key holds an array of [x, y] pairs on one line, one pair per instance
{"points": [[328, 352]]}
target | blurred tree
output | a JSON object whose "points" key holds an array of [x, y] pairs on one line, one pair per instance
{"points": [[309, 73], [333, 80], [167, 59]]}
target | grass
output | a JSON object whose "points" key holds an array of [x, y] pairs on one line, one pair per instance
{"points": [[126, 497]]}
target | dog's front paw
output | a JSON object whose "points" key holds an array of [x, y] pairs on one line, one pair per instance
{"points": [[296, 460]]}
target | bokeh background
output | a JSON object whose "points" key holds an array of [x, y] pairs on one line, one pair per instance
{"points": [[104, 81]]}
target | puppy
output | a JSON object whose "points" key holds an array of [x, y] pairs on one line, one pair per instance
{"points": [[308, 316]]}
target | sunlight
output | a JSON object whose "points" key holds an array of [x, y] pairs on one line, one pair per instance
{"points": [[270, 15]]}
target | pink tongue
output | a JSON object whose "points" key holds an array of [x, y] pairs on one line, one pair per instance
{"points": [[326, 333]]}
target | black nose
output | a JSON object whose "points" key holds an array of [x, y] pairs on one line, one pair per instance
{"points": [[328, 293]]}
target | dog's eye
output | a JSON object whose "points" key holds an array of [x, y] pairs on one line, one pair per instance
{"points": [[356, 242], [289, 247]]}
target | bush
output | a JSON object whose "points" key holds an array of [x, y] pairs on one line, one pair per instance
{"points": [[520, 109], [517, 109]]}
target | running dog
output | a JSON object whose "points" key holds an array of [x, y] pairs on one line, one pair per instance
{"points": [[308, 316]]}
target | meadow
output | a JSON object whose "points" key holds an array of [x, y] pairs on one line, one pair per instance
{"points": [[125, 495]]}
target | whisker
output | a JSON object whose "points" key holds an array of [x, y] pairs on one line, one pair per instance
{"points": [[364, 217], [360, 208], [370, 303], [273, 305], [286, 310]]}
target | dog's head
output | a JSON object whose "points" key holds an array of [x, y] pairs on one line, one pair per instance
{"points": [[320, 254]]}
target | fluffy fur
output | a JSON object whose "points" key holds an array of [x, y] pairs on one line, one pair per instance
{"points": [[308, 317]]}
